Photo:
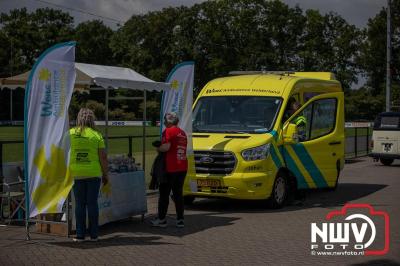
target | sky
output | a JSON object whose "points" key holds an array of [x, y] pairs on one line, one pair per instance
{"points": [[356, 12]]}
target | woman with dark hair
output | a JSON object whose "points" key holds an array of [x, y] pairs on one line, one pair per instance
{"points": [[88, 165]]}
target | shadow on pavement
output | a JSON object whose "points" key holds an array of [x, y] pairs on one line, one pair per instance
{"points": [[393, 165], [353, 160], [115, 240], [211, 213], [194, 223], [378, 263], [345, 193]]}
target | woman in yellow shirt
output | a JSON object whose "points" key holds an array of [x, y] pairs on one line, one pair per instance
{"points": [[88, 165]]}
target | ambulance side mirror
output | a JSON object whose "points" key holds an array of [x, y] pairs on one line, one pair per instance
{"points": [[290, 135]]}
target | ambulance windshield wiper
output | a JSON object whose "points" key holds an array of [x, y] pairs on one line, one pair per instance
{"points": [[235, 132]]}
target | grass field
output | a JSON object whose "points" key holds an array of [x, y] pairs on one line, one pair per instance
{"points": [[350, 132], [14, 152]]}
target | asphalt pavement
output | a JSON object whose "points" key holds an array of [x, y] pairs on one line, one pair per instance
{"points": [[228, 232]]}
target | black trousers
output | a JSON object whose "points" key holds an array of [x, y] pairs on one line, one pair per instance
{"points": [[175, 183]]}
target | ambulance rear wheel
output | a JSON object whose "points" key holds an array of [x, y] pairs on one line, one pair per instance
{"points": [[188, 200], [386, 162], [279, 192]]}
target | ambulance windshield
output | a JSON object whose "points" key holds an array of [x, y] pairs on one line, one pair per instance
{"points": [[235, 114]]}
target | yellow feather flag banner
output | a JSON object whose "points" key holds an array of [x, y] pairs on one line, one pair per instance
{"points": [[46, 143]]}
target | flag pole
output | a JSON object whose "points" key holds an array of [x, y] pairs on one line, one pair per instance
{"points": [[26, 175], [26, 163], [27, 237]]}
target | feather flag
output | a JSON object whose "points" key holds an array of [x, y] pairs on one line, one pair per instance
{"points": [[46, 147]]}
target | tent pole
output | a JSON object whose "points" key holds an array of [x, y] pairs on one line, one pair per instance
{"points": [[106, 116], [11, 105], [144, 130]]}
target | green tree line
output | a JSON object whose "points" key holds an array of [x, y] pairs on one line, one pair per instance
{"points": [[220, 36]]}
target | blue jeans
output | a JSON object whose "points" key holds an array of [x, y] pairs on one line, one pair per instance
{"points": [[86, 192]]}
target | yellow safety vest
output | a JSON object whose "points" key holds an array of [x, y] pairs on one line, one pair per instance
{"points": [[84, 158], [300, 121]]}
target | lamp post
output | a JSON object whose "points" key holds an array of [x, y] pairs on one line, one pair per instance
{"points": [[388, 56]]}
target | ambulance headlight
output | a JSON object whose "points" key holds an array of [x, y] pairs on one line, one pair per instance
{"points": [[256, 153]]}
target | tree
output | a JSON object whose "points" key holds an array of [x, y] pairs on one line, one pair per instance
{"points": [[29, 34], [330, 44], [372, 58], [152, 110], [93, 40], [143, 43], [226, 35], [119, 114], [98, 109], [362, 104]]}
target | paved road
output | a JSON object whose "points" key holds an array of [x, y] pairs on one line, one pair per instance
{"points": [[223, 232]]}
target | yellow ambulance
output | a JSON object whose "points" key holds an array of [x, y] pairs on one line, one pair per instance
{"points": [[249, 144]]}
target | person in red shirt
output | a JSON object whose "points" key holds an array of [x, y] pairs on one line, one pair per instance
{"points": [[174, 145]]}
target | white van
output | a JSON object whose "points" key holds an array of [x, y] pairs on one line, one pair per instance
{"points": [[386, 138]]}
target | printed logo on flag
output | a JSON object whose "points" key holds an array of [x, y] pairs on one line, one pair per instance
{"points": [[175, 84], [53, 100]]}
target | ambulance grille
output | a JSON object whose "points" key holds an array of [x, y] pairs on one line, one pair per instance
{"points": [[214, 162]]}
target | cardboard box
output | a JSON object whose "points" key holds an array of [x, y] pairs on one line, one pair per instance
{"points": [[54, 229]]}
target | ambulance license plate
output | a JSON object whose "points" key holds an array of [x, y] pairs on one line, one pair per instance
{"points": [[208, 183], [387, 147]]}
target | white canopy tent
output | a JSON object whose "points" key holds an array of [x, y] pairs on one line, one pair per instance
{"points": [[118, 77], [99, 77], [88, 75]]}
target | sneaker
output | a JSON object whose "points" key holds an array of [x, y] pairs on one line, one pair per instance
{"points": [[159, 223], [180, 223], [78, 239]]}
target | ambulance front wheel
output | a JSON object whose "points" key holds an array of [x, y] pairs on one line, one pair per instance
{"points": [[188, 200], [279, 192]]}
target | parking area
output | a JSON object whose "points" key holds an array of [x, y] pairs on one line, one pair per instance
{"points": [[225, 232]]}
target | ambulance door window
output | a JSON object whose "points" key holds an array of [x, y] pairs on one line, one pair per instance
{"points": [[296, 97], [308, 95], [323, 118]]}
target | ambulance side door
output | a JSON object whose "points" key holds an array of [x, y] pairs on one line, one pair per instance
{"points": [[317, 155]]}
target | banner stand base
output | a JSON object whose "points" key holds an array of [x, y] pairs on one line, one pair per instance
{"points": [[61, 228]]}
